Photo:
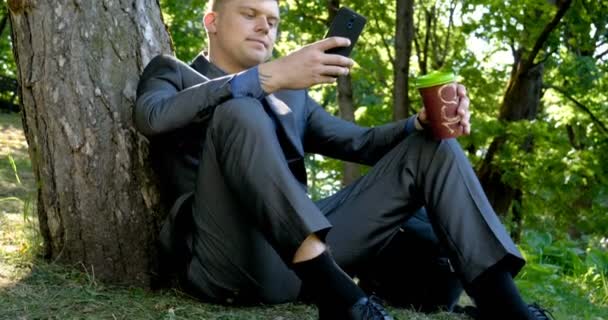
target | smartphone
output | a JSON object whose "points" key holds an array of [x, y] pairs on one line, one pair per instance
{"points": [[347, 24]]}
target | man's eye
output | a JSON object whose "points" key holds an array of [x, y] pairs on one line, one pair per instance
{"points": [[250, 15]]}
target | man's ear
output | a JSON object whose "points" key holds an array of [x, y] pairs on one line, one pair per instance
{"points": [[209, 21]]}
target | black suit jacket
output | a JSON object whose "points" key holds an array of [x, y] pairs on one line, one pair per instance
{"points": [[175, 102]]}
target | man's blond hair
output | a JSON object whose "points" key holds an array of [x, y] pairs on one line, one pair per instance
{"points": [[215, 5]]}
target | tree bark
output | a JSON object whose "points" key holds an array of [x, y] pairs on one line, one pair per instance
{"points": [[78, 66], [404, 34], [351, 171]]}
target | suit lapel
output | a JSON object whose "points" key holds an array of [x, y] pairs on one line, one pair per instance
{"points": [[206, 68], [287, 121]]}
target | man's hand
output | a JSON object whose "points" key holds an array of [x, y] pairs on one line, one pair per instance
{"points": [[306, 67], [462, 110]]}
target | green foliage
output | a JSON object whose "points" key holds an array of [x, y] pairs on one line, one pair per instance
{"points": [[185, 21], [562, 177], [563, 180], [7, 63], [566, 274]]}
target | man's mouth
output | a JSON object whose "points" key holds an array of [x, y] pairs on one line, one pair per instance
{"points": [[262, 42]]}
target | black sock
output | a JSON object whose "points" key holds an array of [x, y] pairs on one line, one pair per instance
{"points": [[497, 297], [327, 282]]}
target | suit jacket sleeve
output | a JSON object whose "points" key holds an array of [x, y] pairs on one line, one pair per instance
{"points": [[171, 95], [344, 140]]}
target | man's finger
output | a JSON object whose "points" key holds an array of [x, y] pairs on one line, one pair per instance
{"points": [[337, 60], [327, 79], [334, 71], [463, 104], [465, 119], [466, 129], [461, 90], [422, 115], [332, 42], [466, 123]]}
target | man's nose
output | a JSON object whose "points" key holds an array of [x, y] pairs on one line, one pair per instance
{"points": [[262, 25]]}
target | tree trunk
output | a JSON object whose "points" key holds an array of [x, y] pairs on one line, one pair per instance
{"points": [[404, 34], [520, 102], [78, 65], [351, 171]]}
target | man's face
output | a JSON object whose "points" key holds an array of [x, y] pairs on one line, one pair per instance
{"points": [[242, 33]]}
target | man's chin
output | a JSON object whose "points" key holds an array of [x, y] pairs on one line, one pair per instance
{"points": [[255, 60]]}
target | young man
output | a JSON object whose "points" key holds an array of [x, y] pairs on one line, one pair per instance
{"points": [[234, 129]]}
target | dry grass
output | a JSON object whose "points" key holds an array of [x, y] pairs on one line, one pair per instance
{"points": [[16, 177]]}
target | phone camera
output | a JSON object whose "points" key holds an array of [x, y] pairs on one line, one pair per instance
{"points": [[350, 24]]}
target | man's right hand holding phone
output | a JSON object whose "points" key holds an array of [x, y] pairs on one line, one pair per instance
{"points": [[306, 67]]}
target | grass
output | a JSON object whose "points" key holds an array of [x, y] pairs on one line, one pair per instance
{"points": [[31, 288], [14, 188]]}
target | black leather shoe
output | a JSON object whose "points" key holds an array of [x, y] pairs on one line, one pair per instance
{"points": [[364, 309], [539, 312]]}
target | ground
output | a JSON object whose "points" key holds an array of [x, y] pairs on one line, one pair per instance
{"points": [[31, 288]]}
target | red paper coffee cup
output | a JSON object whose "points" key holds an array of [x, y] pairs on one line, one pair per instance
{"points": [[440, 99]]}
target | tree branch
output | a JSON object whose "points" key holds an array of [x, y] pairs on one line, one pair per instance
{"points": [[548, 55], [427, 36], [434, 43], [579, 105], [386, 46], [419, 52], [601, 55], [416, 43], [512, 45], [572, 138], [540, 42], [446, 44]]}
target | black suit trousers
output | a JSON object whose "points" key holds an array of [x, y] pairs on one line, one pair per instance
{"points": [[250, 213]]}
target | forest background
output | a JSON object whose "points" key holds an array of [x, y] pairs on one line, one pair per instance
{"points": [[536, 73]]}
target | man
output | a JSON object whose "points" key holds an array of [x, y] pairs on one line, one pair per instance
{"points": [[235, 130]]}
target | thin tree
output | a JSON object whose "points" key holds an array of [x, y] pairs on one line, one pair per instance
{"points": [[404, 34], [346, 104]]}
